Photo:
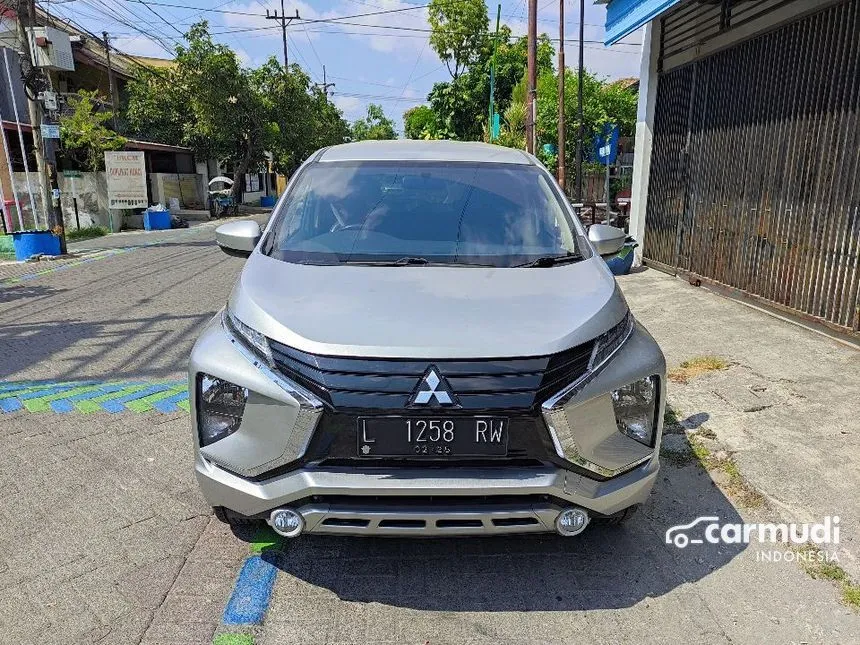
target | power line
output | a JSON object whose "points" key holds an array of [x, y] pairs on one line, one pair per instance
{"points": [[162, 18], [101, 7], [254, 15], [410, 29]]}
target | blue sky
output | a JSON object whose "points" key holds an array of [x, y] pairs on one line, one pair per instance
{"points": [[382, 59]]}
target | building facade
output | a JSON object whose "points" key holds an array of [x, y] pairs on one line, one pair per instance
{"points": [[747, 173]]}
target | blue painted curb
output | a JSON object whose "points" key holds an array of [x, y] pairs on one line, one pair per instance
{"points": [[251, 594]]}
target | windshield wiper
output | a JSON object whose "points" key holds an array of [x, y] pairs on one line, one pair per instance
{"points": [[552, 260], [402, 262]]}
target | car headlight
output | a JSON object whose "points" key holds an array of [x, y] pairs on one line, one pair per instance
{"points": [[220, 406], [254, 340], [611, 341], [635, 407]]}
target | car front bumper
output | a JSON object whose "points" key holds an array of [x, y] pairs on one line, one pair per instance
{"points": [[410, 501]]}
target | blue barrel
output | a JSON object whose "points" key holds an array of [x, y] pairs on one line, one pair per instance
{"points": [[621, 262], [156, 220], [267, 201], [30, 243]]}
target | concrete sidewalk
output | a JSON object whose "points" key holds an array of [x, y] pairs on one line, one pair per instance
{"points": [[788, 406]]}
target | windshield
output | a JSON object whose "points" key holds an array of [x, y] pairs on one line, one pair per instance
{"points": [[410, 213]]}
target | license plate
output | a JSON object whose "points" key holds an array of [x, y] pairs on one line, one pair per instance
{"points": [[432, 437]]}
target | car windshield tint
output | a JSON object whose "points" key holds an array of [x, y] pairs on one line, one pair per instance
{"points": [[416, 214]]}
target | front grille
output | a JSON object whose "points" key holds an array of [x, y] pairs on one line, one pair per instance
{"points": [[382, 384], [353, 387]]}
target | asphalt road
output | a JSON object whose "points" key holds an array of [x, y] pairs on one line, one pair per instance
{"points": [[105, 539]]}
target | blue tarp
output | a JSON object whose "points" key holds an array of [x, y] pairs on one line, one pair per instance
{"points": [[626, 16]]}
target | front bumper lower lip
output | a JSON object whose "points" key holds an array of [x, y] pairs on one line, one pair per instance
{"points": [[391, 519]]}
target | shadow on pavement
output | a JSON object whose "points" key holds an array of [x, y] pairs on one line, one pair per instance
{"points": [[143, 347], [604, 568], [21, 291]]}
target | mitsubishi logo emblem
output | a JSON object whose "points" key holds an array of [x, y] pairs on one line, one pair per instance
{"points": [[432, 386]]}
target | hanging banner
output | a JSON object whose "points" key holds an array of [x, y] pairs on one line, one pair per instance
{"points": [[126, 179]]}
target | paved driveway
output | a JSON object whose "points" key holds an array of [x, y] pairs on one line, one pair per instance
{"points": [[104, 537]]}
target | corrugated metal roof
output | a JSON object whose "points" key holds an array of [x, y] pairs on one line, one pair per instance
{"points": [[626, 16]]}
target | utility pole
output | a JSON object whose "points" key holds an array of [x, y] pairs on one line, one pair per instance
{"points": [[532, 80], [284, 20], [561, 132], [44, 150], [490, 134], [580, 81], [324, 86], [113, 97]]}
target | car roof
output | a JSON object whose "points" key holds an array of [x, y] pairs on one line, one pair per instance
{"points": [[416, 150]]}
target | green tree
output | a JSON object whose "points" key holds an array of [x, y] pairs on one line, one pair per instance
{"points": [[603, 102], [461, 104], [458, 32], [418, 121], [373, 126], [83, 133], [208, 99], [299, 118]]}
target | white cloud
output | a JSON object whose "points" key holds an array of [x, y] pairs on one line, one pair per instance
{"points": [[251, 19], [140, 46], [382, 40], [347, 104], [390, 40]]}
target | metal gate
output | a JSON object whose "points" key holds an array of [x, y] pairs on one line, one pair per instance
{"points": [[755, 170]]}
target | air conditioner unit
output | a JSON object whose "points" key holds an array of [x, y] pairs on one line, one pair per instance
{"points": [[51, 48]]}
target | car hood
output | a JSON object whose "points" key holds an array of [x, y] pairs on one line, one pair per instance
{"points": [[427, 311]]}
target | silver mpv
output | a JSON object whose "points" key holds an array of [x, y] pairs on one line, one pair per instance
{"points": [[425, 341]]}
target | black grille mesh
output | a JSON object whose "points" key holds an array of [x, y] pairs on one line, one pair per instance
{"points": [[387, 384]]}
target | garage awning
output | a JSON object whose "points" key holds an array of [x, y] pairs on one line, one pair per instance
{"points": [[626, 16]]}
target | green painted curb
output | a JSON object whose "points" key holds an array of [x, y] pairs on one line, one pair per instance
{"points": [[145, 404]]}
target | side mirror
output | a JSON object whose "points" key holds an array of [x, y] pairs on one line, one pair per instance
{"points": [[238, 238], [607, 240]]}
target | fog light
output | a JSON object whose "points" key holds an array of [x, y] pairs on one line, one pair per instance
{"points": [[286, 522], [571, 521]]}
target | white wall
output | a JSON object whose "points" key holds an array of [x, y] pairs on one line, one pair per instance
{"points": [[92, 202], [24, 200], [185, 187], [644, 134]]}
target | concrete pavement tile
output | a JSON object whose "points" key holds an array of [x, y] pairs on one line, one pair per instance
{"points": [[217, 543], [147, 586], [185, 633], [20, 618], [205, 578], [348, 623], [98, 590], [421, 626], [181, 608], [289, 632], [67, 614], [381, 621]]}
